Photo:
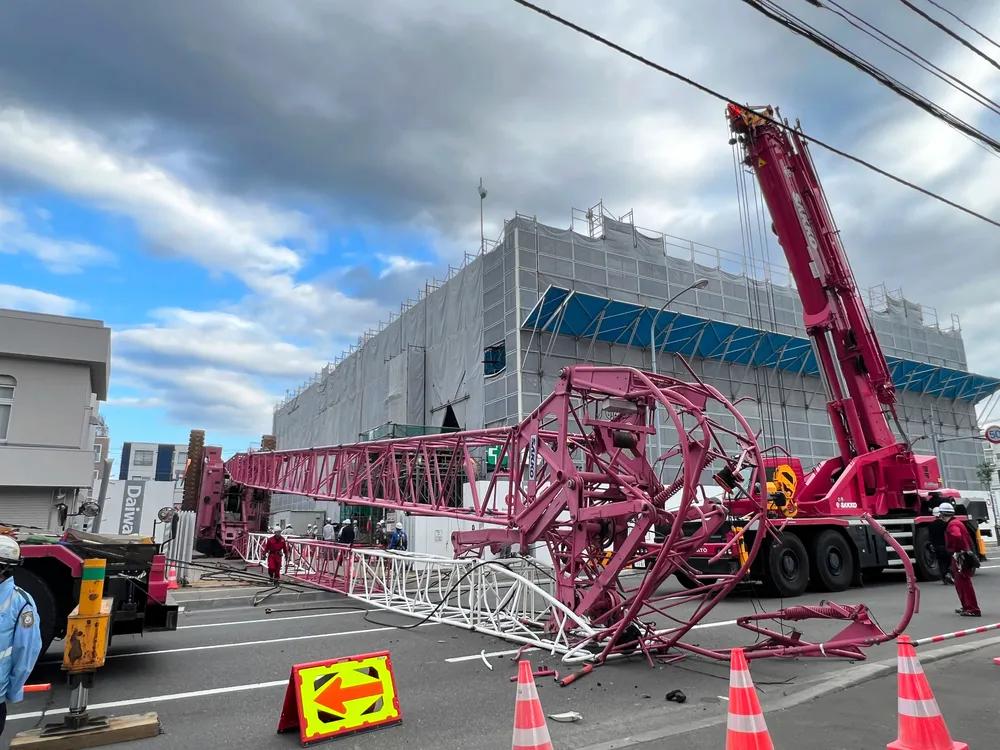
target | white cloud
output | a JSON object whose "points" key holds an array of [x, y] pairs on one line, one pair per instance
{"points": [[56, 254], [248, 240], [398, 264], [215, 338], [34, 300]]}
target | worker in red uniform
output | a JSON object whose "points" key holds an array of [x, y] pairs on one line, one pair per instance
{"points": [[964, 560], [275, 547]]}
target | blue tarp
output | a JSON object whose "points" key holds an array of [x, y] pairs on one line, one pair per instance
{"points": [[586, 316]]}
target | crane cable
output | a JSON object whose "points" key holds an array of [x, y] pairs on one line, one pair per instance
{"points": [[961, 40], [776, 122]]}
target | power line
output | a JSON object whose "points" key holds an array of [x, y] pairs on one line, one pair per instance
{"points": [[887, 40], [792, 22], [971, 28], [729, 100], [930, 19]]}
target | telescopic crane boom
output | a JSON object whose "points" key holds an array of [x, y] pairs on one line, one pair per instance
{"points": [[875, 470]]}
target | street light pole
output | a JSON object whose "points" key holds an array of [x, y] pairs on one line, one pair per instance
{"points": [[482, 233], [698, 284]]}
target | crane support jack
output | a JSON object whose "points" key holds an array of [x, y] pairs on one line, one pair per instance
{"points": [[87, 636]]}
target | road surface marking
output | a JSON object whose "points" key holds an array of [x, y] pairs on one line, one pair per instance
{"points": [[471, 657], [155, 699], [269, 619], [210, 647]]}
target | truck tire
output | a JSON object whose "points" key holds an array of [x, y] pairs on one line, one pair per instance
{"points": [[45, 603], [688, 582], [832, 561], [925, 563], [786, 567]]}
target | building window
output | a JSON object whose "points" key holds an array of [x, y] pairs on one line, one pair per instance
{"points": [[7, 385], [97, 452], [142, 458], [181, 457], [494, 359]]}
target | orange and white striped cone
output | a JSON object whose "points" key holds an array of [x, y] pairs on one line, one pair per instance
{"points": [[530, 732], [746, 729], [921, 725], [172, 579]]}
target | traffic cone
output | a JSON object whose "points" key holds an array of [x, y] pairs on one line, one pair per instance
{"points": [[746, 729], [172, 579], [530, 732], [921, 725]]}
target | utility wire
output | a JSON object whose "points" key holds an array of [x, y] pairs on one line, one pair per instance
{"points": [[887, 40], [795, 24], [961, 40], [971, 28], [729, 100]]}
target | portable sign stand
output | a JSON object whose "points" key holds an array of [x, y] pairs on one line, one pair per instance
{"points": [[327, 699]]}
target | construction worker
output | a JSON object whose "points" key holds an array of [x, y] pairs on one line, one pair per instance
{"points": [[347, 533], [329, 531], [964, 560], [381, 537], [275, 547], [935, 533], [398, 540], [20, 638]]}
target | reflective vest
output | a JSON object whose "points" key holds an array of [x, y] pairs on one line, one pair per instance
{"points": [[20, 640]]}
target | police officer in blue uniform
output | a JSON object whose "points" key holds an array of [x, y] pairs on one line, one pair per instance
{"points": [[20, 637]]}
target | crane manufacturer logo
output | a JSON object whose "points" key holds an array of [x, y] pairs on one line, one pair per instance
{"points": [[810, 234], [846, 504]]}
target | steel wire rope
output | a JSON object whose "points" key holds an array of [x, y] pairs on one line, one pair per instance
{"points": [[960, 39], [890, 42], [795, 24], [767, 118]]}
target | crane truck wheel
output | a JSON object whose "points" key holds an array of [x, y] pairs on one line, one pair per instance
{"points": [[832, 561], [925, 563], [786, 567], [45, 603], [688, 582]]}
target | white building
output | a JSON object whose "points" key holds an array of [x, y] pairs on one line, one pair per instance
{"points": [[53, 372], [162, 462]]}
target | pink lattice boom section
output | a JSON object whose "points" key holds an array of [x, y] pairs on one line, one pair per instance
{"points": [[579, 482]]}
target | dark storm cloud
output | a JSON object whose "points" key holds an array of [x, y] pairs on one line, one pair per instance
{"points": [[390, 112]]}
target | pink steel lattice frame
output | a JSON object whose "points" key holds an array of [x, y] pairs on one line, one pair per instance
{"points": [[580, 483]]}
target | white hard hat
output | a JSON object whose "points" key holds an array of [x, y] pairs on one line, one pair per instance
{"points": [[10, 551], [936, 512], [946, 508], [399, 525]]}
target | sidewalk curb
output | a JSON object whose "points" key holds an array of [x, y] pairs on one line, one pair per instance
{"points": [[816, 688], [246, 599]]}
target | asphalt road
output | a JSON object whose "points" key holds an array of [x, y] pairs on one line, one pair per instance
{"points": [[219, 681]]}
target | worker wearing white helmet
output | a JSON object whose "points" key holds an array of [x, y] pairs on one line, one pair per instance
{"points": [[20, 635], [398, 540]]}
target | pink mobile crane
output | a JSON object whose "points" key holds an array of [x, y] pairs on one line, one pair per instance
{"points": [[822, 537]]}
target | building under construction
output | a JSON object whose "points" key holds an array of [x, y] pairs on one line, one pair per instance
{"points": [[484, 346]]}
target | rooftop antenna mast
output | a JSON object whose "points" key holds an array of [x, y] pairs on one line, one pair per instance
{"points": [[482, 234]]}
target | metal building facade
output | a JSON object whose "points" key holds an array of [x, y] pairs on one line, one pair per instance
{"points": [[483, 347]]}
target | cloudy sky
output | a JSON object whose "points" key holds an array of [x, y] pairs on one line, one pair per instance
{"points": [[240, 189]]}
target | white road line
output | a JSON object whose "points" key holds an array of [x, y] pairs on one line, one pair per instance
{"points": [[455, 659], [213, 646], [987, 567], [472, 657], [269, 619], [154, 699]]}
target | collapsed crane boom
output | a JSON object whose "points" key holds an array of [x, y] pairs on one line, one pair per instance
{"points": [[578, 490]]}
